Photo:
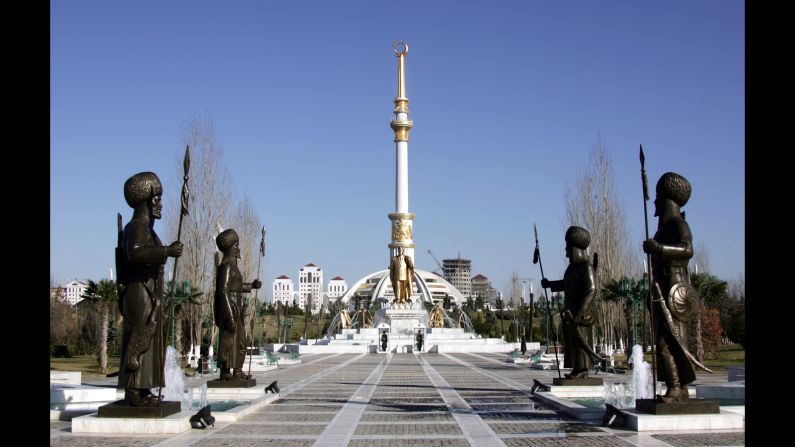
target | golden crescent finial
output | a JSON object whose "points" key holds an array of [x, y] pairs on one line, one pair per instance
{"points": [[397, 44]]}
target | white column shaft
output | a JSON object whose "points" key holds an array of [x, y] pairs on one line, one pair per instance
{"points": [[402, 177]]}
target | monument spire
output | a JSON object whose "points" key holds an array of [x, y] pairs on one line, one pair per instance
{"points": [[401, 124]]}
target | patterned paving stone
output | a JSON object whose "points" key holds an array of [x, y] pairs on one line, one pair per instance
{"points": [[527, 428], [408, 400], [406, 407], [303, 408], [100, 441], [258, 429], [703, 439], [407, 429], [289, 417], [521, 416], [406, 417], [503, 407], [256, 442], [408, 443], [568, 441]]}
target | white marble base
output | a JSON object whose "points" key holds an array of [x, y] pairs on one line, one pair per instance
{"points": [[654, 422], [728, 390], [259, 366], [80, 397], [233, 414], [65, 377], [573, 409], [544, 365], [174, 424], [288, 361], [251, 393], [586, 392], [519, 360], [736, 373]]}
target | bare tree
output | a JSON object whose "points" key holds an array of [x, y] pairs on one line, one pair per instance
{"points": [[700, 261], [592, 204], [247, 224], [211, 191]]}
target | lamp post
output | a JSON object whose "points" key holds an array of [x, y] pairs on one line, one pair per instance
{"points": [[635, 292], [179, 296], [285, 326]]}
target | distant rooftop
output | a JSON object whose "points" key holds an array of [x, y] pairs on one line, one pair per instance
{"points": [[283, 277]]}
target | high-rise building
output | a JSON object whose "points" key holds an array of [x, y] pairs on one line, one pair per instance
{"points": [[310, 287], [283, 291], [459, 273], [481, 287]]}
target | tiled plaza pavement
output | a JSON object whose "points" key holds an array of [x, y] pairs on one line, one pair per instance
{"points": [[404, 400]]}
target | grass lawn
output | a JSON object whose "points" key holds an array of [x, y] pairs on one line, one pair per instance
{"points": [[728, 355], [86, 364]]}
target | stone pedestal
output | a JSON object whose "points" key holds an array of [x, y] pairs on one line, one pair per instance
{"points": [[237, 383], [586, 381], [653, 422], [403, 322], [690, 406], [121, 409], [172, 424]]}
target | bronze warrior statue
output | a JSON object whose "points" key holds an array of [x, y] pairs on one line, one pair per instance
{"points": [[579, 287], [229, 312], [675, 301], [140, 259]]}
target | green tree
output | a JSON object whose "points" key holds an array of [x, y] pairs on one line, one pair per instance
{"points": [[102, 294]]}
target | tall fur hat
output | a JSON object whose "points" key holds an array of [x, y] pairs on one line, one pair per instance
{"points": [[226, 239], [141, 187], [578, 237], [675, 187]]}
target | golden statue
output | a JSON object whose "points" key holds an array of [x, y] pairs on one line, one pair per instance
{"points": [[401, 273], [364, 318], [437, 316], [345, 319]]}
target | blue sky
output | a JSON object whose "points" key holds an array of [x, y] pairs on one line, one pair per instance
{"points": [[508, 99]]}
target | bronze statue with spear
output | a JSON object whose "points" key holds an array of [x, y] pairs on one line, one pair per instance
{"points": [[140, 262]]}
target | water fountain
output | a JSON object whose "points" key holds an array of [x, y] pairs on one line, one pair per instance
{"points": [[176, 389], [639, 385]]}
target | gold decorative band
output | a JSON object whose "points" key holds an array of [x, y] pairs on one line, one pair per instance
{"points": [[395, 216]]}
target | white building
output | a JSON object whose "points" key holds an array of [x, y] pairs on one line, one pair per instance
{"points": [[283, 291], [336, 288], [310, 287], [72, 291]]}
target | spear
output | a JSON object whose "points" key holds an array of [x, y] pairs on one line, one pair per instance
{"points": [[537, 260], [256, 293], [645, 181], [183, 213]]}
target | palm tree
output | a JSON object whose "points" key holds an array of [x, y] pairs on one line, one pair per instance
{"points": [[612, 291], [712, 291], [102, 294]]}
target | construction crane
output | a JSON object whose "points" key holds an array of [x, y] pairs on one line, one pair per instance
{"points": [[437, 263]]}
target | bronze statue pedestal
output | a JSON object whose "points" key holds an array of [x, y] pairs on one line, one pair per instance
{"points": [[122, 409], [587, 381], [690, 406], [236, 383]]}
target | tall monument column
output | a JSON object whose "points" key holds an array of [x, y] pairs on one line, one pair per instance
{"points": [[402, 219]]}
